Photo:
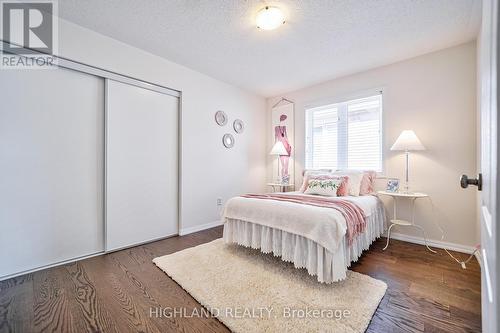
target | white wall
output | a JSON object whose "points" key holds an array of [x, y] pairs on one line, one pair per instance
{"points": [[209, 171], [435, 95]]}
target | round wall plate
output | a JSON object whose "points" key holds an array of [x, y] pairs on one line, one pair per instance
{"points": [[221, 118], [238, 126], [228, 140]]}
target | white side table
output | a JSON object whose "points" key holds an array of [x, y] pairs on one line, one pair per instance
{"points": [[280, 186], [395, 221]]}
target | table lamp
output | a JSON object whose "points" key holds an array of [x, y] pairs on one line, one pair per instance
{"points": [[278, 150], [407, 141]]}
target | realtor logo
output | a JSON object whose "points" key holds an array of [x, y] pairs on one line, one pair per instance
{"points": [[28, 28]]}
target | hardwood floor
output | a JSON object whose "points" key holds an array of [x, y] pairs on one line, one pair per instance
{"points": [[115, 292]]}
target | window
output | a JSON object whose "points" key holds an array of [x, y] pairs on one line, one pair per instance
{"points": [[345, 135]]}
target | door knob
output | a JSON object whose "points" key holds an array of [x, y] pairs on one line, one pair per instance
{"points": [[466, 181]]}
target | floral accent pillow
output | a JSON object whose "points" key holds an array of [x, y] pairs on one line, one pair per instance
{"points": [[310, 174], [343, 189], [326, 187]]}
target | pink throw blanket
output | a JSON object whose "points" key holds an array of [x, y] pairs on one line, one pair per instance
{"points": [[353, 214]]}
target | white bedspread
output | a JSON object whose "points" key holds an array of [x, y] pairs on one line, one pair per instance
{"points": [[310, 237], [325, 226]]}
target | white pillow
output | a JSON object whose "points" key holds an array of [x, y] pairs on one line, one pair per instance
{"points": [[326, 187], [354, 182]]}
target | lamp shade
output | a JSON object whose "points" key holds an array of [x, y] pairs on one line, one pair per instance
{"points": [[407, 140], [278, 149]]}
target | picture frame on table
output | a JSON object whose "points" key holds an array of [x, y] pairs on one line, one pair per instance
{"points": [[392, 185]]}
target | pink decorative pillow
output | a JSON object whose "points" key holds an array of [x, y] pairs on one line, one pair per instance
{"points": [[354, 180], [367, 182], [341, 191]]}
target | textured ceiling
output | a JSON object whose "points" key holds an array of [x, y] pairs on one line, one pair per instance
{"points": [[321, 40]]}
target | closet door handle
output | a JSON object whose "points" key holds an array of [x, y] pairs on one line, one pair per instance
{"points": [[466, 181]]}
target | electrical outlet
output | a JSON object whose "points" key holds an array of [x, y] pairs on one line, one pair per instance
{"points": [[219, 201]]}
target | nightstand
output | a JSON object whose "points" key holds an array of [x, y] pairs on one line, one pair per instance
{"points": [[280, 186], [396, 221]]}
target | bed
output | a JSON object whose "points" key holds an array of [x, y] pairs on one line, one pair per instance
{"points": [[309, 236]]}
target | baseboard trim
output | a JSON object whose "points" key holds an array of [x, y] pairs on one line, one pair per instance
{"points": [[478, 257], [190, 230], [434, 243]]}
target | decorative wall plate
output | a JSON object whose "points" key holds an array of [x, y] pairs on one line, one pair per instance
{"points": [[228, 140], [221, 118], [238, 126]]}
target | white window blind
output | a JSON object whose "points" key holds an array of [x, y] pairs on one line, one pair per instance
{"points": [[345, 135]]}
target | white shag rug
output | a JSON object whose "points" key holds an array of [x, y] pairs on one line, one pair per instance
{"points": [[253, 292]]}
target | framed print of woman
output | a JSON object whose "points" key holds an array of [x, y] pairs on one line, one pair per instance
{"points": [[280, 135], [283, 130]]}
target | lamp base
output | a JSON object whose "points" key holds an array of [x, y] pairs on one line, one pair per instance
{"points": [[406, 192], [406, 189]]}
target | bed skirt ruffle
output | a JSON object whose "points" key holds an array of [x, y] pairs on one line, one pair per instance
{"points": [[303, 252]]}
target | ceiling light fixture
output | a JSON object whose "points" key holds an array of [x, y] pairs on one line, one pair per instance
{"points": [[269, 18]]}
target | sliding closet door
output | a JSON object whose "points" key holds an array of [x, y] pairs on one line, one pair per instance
{"points": [[141, 165], [51, 167]]}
